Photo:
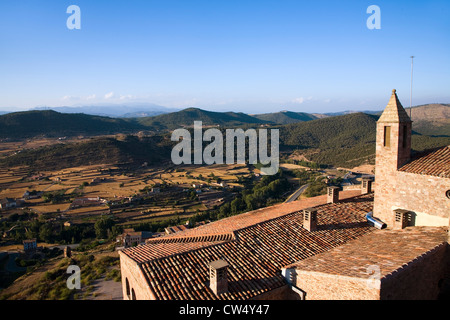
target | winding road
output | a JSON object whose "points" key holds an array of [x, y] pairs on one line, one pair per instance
{"points": [[297, 193]]}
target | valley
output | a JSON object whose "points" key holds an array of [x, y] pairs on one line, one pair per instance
{"points": [[83, 181]]}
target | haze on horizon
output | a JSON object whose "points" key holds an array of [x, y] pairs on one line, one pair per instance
{"points": [[243, 56]]}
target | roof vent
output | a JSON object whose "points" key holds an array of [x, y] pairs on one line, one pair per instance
{"points": [[366, 185], [310, 219], [401, 218], [218, 276], [333, 194]]}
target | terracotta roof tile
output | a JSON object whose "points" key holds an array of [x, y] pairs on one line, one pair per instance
{"points": [[433, 163], [144, 253], [228, 225], [263, 242], [390, 250]]}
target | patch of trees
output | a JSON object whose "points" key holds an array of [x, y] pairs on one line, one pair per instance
{"points": [[257, 194], [316, 188], [106, 228], [56, 197], [309, 164], [55, 232], [157, 226]]}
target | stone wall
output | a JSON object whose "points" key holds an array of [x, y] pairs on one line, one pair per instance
{"points": [[421, 194], [321, 286], [419, 279], [282, 293], [131, 271]]}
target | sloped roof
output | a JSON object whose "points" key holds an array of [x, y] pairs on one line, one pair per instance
{"points": [[256, 253], [230, 224], [389, 250], [433, 162], [394, 111]]}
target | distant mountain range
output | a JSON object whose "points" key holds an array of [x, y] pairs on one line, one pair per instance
{"points": [[285, 117], [346, 140], [133, 110], [341, 113], [432, 119]]}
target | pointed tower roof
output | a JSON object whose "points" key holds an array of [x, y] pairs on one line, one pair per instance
{"points": [[394, 111]]}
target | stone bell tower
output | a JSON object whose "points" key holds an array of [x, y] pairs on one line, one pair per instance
{"points": [[393, 150]]}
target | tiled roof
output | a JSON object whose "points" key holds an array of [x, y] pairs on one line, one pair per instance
{"points": [[176, 229], [134, 233], [194, 238], [228, 225], [433, 163], [387, 249], [262, 244], [144, 253]]}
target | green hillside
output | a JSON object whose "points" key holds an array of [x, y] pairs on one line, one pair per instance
{"points": [[332, 132], [152, 150], [54, 124], [285, 117], [347, 140], [187, 117]]}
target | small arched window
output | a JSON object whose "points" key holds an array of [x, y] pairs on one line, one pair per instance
{"points": [[133, 295], [127, 284]]}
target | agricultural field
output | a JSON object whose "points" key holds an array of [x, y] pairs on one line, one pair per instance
{"points": [[137, 195], [62, 207], [89, 206]]}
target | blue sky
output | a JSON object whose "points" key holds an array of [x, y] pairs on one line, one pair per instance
{"points": [[248, 56]]}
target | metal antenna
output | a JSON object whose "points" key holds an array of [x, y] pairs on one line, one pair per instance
{"points": [[410, 97]]}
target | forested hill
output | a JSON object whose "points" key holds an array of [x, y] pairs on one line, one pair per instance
{"points": [[54, 124], [188, 116], [332, 132], [428, 119], [153, 150], [285, 117], [347, 140]]}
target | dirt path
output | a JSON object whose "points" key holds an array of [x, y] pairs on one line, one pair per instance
{"points": [[106, 290]]}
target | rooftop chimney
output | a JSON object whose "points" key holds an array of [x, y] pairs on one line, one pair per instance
{"points": [[218, 276], [366, 185], [310, 219], [401, 218], [333, 194]]}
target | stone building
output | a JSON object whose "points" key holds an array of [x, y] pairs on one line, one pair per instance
{"points": [[326, 247], [254, 245], [417, 183], [8, 203], [130, 237]]}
